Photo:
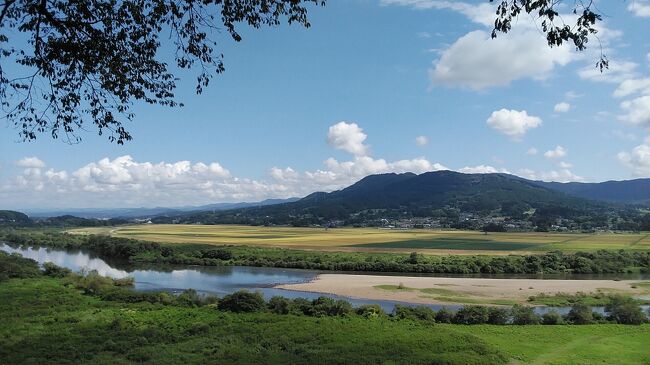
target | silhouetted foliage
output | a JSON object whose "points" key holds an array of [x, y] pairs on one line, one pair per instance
{"points": [[88, 61]]}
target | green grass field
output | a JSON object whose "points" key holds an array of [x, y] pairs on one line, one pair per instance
{"points": [[44, 321], [372, 239]]}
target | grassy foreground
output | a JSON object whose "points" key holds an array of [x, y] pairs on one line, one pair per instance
{"points": [[45, 321], [373, 239]]}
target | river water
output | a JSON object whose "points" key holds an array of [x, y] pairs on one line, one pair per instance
{"points": [[225, 279]]}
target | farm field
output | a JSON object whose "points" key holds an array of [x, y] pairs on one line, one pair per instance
{"points": [[378, 240]]}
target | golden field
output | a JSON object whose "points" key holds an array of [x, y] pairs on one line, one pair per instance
{"points": [[374, 239]]}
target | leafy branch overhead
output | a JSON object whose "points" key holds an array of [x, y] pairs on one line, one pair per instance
{"points": [[88, 61], [556, 30], [72, 64]]}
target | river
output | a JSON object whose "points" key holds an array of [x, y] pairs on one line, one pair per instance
{"points": [[220, 280]]}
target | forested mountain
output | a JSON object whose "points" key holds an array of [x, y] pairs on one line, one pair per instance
{"points": [[441, 194], [628, 191]]}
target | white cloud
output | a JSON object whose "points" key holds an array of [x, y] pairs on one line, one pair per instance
{"points": [[639, 8], [638, 160], [633, 86], [572, 95], [637, 111], [348, 137], [478, 62], [482, 169], [30, 162], [513, 123], [532, 151], [558, 152], [562, 107], [126, 182], [565, 165], [562, 175], [421, 140], [618, 71]]}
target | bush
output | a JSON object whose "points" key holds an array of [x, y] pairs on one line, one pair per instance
{"points": [[524, 315], [189, 298], [444, 315], [324, 306], [624, 310], [279, 305], [15, 266], [471, 314], [55, 271], [498, 315], [580, 313], [420, 313], [370, 311], [198, 328], [301, 306], [552, 318], [242, 301], [216, 254]]}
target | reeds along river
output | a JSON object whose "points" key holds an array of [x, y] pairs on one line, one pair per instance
{"points": [[213, 280]]}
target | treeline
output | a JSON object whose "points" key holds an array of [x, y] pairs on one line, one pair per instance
{"points": [[136, 251], [622, 310], [10, 218]]}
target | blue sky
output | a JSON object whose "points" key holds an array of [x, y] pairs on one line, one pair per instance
{"points": [[300, 110]]}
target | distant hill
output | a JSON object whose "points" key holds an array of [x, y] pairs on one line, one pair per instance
{"points": [[628, 191], [409, 195], [131, 213], [13, 218]]}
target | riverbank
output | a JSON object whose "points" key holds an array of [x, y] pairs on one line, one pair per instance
{"points": [[438, 290]]}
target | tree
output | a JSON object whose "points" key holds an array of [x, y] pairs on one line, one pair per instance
{"points": [[87, 62], [242, 301], [624, 310], [580, 313]]}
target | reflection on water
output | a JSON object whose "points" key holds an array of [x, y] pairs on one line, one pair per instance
{"points": [[214, 280]]}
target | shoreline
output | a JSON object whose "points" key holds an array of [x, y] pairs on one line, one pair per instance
{"points": [[454, 291]]}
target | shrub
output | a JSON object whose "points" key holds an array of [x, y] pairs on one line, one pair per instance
{"points": [[624, 310], [189, 298], [524, 315], [444, 315], [370, 311], [242, 301], [580, 313], [279, 305], [420, 313], [198, 328], [127, 281], [55, 271], [552, 318], [498, 315], [216, 254], [301, 306], [324, 306], [471, 314], [15, 266]]}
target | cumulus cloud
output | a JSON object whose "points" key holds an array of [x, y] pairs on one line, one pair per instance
{"points": [[30, 162], [532, 151], [633, 86], [558, 152], [126, 182], [421, 140], [565, 165], [561, 175], [639, 8], [638, 160], [477, 61], [482, 169], [348, 137], [513, 123], [562, 107], [637, 111]]}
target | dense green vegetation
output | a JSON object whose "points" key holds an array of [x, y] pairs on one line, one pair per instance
{"points": [[136, 251], [83, 319], [442, 199], [10, 218]]}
